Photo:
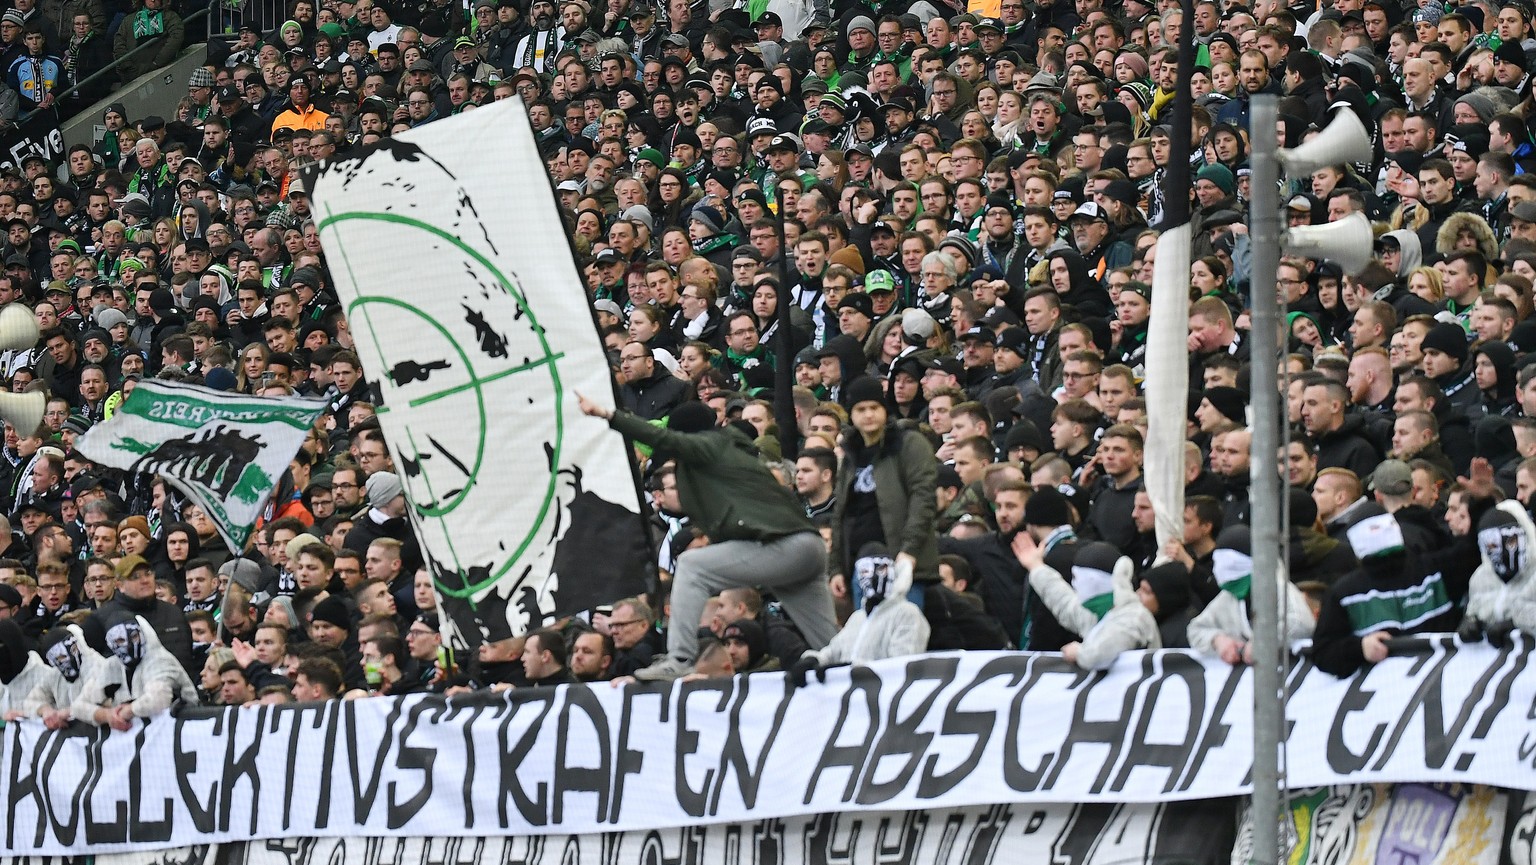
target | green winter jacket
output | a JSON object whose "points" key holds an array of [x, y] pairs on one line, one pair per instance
{"points": [[721, 484]]}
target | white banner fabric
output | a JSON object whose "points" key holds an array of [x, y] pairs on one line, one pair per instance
{"points": [[932, 731]]}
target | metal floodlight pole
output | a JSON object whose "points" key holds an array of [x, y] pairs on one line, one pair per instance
{"points": [[1264, 513], [784, 354]]}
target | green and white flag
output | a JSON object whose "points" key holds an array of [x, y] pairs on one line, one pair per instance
{"points": [[225, 451]]}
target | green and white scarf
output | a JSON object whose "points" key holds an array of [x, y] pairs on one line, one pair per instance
{"points": [[1234, 572]]}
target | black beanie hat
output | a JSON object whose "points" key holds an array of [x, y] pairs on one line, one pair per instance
{"points": [[1448, 338], [691, 417], [1170, 583], [334, 611], [865, 389], [1302, 506], [750, 632], [1231, 402], [1235, 538], [1047, 507]]}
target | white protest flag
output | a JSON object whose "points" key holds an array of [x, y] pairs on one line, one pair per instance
{"points": [[1167, 382], [469, 315], [225, 451]]}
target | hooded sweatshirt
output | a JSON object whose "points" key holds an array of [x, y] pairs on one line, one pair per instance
{"points": [[887, 625], [23, 673], [1490, 599], [1229, 612], [153, 677], [1175, 602], [1099, 606]]}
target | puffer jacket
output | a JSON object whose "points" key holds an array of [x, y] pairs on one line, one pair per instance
{"points": [[1127, 626], [1228, 614], [1490, 599]]}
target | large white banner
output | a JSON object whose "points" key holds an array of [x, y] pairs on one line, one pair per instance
{"points": [[226, 451], [467, 310], [1425, 824], [938, 731]]}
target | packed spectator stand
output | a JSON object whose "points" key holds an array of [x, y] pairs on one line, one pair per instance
{"points": [[962, 214]]}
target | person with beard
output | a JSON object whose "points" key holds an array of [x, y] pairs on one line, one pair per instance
{"points": [[1501, 595], [1000, 581], [1225, 627], [900, 114], [543, 43], [1098, 245]]}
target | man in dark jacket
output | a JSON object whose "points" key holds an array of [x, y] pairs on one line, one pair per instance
{"points": [[759, 533], [136, 597], [650, 391], [1340, 437], [884, 491], [1165, 591], [1395, 592]]}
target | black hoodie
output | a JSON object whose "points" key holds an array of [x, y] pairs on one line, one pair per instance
{"points": [[851, 360], [1348, 447], [1085, 295], [1176, 604], [1501, 400], [15, 646]]}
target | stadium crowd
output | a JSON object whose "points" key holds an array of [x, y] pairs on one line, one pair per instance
{"points": [[968, 207]]}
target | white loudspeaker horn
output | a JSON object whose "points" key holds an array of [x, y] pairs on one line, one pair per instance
{"points": [[24, 411], [1347, 241], [1342, 140], [18, 327]]}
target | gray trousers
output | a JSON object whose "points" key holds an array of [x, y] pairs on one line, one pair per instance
{"points": [[794, 567]]}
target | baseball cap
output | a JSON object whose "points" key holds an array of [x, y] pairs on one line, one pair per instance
{"points": [[784, 142], [949, 365], [1392, 477], [1014, 339], [1089, 210]]}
